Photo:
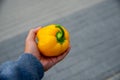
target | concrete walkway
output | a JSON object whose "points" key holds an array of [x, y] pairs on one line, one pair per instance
{"points": [[94, 26]]}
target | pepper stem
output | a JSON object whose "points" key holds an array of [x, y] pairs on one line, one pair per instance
{"points": [[60, 34]]}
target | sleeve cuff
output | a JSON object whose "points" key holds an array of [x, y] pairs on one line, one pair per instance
{"points": [[31, 64]]}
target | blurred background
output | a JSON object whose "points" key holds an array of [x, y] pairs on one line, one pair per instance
{"points": [[94, 27]]}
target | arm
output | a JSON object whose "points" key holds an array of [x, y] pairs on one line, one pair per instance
{"points": [[27, 67], [31, 65]]}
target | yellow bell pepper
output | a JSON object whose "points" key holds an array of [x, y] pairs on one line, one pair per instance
{"points": [[53, 40]]}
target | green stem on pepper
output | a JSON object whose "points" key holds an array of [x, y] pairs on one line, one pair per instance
{"points": [[60, 34]]}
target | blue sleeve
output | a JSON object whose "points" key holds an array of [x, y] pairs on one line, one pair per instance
{"points": [[27, 67]]}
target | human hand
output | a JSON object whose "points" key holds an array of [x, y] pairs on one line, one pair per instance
{"points": [[32, 48]]}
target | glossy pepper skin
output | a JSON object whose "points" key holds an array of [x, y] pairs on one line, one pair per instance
{"points": [[53, 40]]}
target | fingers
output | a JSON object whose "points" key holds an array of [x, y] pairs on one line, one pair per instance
{"points": [[32, 34], [61, 57], [36, 29]]}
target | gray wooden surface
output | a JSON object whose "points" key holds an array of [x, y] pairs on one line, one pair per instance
{"points": [[94, 27]]}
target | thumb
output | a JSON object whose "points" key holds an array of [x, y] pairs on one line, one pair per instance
{"points": [[32, 34]]}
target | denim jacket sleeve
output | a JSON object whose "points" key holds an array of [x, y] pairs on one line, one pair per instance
{"points": [[27, 67]]}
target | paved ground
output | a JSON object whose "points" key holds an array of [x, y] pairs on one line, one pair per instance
{"points": [[94, 26]]}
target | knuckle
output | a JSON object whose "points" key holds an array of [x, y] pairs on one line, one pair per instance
{"points": [[31, 30], [26, 40]]}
